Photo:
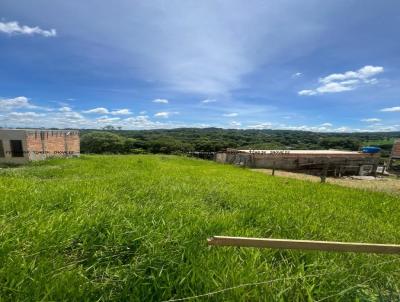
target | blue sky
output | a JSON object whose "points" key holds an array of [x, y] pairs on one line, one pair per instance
{"points": [[310, 65]]}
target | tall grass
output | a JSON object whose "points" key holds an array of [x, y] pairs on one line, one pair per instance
{"points": [[134, 228]]}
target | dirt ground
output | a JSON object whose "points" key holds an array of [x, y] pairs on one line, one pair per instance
{"points": [[383, 184]]}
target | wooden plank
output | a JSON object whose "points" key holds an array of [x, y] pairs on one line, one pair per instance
{"points": [[329, 246]]}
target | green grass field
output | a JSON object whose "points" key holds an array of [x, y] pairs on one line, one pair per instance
{"points": [[134, 228]]}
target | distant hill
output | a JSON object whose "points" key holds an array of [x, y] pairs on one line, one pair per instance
{"points": [[216, 139]]}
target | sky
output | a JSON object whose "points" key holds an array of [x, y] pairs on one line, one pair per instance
{"points": [[329, 66]]}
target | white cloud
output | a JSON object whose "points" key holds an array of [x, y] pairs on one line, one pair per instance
{"points": [[143, 122], [307, 92], [72, 115], [99, 110], [325, 127], [391, 109], [160, 101], [235, 124], [371, 120], [162, 114], [165, 114], [106, 119], [12, 28], [66, 118], [350, 80], [343, 129], [370, 128], [233, 114], [387, 128], [363, 73], [206, 101], [25, 114], [72, 119], [65, 109], [297, 75], [261, 126], [334, 87], [18, 102], [102, 110], [121, 112]]}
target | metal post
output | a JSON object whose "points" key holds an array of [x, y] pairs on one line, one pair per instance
{"points": [[324, 172], [375, 167]]}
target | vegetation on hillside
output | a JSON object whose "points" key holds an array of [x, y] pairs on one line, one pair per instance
{"points": [[134, 228], [182, 140]]}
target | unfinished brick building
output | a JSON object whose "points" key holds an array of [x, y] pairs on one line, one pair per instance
{"points": [[395, 156], [19, 146]]}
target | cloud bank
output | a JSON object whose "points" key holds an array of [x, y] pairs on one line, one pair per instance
{"points": [[13, 28], [17, 102], [391, 109], [350, 80], [102, 110], [161, 101]]}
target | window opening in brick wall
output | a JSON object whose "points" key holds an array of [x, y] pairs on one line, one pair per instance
{"points": [[1, 149], [16, 148]]}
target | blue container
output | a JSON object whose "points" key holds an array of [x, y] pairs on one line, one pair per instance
{"points": [[370, 149]]}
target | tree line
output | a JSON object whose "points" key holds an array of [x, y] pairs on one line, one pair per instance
{"points": [[183, 140]]}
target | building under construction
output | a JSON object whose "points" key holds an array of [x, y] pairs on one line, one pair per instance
{"points": [[334, 162], [18, 146], [395, 156]]}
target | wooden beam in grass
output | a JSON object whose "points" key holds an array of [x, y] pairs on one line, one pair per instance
{"points": [[329, 246]]}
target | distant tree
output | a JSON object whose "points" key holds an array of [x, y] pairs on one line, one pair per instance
{"points": [[340, 143], [109, 127], [104, 142], [178, 141]]}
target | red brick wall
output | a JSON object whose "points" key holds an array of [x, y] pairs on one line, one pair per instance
{"points": [[33, 143], [73, 142], [396, 149], [43, 143]]}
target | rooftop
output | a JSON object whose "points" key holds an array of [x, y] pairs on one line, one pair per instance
{"points": [[314, 152]]}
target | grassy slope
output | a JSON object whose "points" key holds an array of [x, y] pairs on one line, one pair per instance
{"points": [[135, 228]]}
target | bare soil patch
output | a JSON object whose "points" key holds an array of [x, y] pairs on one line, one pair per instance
{"points": [[382, 184]]}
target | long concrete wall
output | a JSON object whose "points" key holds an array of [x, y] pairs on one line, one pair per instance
{"points": [[395, 157], [337, 163], [396, 149]]}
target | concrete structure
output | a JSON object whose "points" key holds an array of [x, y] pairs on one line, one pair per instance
{"points": [[306, 161], [18, 146], [395, 155]]}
